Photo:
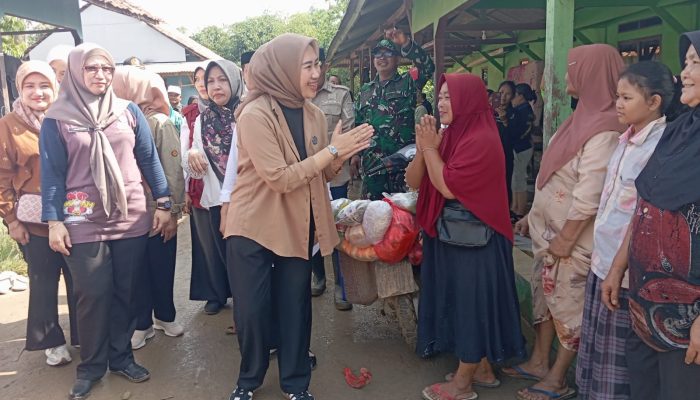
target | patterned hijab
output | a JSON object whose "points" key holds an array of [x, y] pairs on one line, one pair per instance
{"points": [[77, 106], [32, 117], [145, 88], [217, 121]]}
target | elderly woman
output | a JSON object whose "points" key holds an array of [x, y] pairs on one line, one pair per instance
{"points": [[212, 153], [154, 296], [663, 351], [567, 197], [279, 207], [94, 149], [469, 306], [20, 179]]}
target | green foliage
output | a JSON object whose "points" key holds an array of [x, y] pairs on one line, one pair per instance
{"points": [[230, 41], [13, 45], [10, 256]]}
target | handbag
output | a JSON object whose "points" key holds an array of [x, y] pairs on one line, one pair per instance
{"points": [[459, 227], [28, 209]]}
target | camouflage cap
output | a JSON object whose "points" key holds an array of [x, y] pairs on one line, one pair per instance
{"points": [[387, 44]]}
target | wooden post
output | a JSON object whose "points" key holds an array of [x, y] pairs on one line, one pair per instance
{"points": [[5, 107], [439, 36], [558, 41]]}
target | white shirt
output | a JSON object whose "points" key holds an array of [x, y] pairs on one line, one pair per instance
{"points": [[619, 197], [213, 193]]}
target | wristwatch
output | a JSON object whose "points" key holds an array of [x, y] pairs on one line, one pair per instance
{"points": [[164, 205], [333, 151]]}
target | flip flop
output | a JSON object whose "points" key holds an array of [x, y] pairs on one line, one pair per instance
{"points": [[488, 385], [569, 393], [231, 330], [435, 392], [521, 374]]}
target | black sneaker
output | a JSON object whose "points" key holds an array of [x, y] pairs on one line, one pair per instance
{"points": [[133, 372], [241, 394], [305, 395]]}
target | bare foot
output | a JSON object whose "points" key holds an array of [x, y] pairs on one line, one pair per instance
{"points": [[528, 370], [562, 391], [449, 390]]}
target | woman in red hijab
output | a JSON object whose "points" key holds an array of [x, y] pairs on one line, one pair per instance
{"points": [[469, 305]]}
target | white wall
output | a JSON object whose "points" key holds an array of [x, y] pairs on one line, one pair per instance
{"points": [[121, 35]]}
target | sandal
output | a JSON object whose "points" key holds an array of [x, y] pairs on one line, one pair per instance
{"points": [[231, 330], [520, 373], [435, 392], [569, 393], [488, 385]]}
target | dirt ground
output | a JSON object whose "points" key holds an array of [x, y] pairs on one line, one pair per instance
{"points": [[203, 363]]}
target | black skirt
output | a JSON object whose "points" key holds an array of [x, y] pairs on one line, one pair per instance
{"points": [[468, 302]]}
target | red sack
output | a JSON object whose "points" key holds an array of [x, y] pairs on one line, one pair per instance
{"points": [[415, 256], [400, 236]]}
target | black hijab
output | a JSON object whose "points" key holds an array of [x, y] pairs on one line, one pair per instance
{"points": [[670, 179]]}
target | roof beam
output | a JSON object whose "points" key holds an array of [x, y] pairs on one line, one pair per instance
{"points": [[492, 60], [497, 26]]}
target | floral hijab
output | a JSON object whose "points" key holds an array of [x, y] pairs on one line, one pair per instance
{"points": [[217, 121]]}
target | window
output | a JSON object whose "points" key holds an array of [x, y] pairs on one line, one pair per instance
{"points": [[639, 24], [647, 49]]}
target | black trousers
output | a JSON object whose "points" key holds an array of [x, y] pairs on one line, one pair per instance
{"points": [[45, 268], [104, 275], [658, 375], [270, 299], [154, 293], [209, 278]]}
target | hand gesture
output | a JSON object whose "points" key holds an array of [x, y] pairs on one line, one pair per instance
{"points": [[353, 141], [170, 228], [59, 239], [560, 247], [161, 218], [692, 355], [427, 135], [197, 162], [18, 232], [397, 36], [610, 288], [522, 227]]}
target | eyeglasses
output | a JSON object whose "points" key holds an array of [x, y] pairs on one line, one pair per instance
{"points": [[383, 54], [93, 69]]}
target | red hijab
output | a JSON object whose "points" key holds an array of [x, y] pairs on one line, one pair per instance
{"points": [[593, 71], [474, 161]]}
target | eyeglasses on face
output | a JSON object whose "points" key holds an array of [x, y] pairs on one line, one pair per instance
{"points": [[383, 54], [93, 69]]}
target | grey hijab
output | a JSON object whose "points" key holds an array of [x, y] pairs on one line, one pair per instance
{"points": [[76, 105]]}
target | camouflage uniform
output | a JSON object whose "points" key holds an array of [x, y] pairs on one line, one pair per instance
{"points": [[389, 107], [336, 103]]}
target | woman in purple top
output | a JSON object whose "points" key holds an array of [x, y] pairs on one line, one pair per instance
{"points": [[94, 149]]}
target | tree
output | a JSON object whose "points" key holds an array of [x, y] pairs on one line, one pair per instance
{"points": [[13, 45], [230, 41]]}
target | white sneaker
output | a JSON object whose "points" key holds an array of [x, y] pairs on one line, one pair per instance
{"points": [[172, 329], [138, 340], [56, 356], [20, 283], [6, 279]]}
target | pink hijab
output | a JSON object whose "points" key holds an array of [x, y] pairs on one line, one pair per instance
{"points": [[145, 88], [593, 71]]}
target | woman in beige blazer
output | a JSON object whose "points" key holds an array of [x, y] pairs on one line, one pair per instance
{"points": [[279, 209]]}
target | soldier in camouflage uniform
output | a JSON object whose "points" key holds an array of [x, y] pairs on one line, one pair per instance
{"points": [[336, 103], [388, 103]]}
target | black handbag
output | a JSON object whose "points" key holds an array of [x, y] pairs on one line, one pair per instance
{"points": [[459, 227]]}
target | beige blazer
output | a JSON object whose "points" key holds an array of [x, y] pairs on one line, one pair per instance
{"points": [[275, 191]]}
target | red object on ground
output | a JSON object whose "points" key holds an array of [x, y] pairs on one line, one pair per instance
{"points": [[357, 382], [399, 238]]}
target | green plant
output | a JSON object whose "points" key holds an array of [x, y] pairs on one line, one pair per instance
{"points": [[10, 256]]}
